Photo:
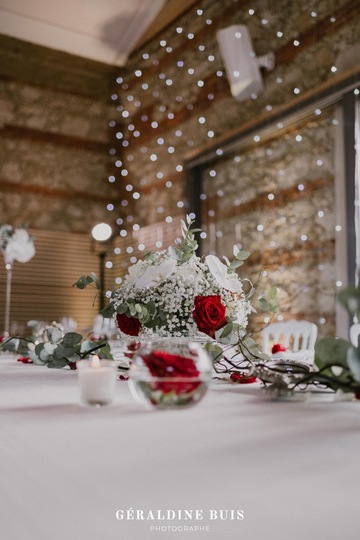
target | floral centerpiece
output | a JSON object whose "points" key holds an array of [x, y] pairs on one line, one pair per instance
{"points": [[175, 293]]}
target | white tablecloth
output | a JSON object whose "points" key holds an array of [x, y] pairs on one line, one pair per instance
{"points": [[65, 470]]}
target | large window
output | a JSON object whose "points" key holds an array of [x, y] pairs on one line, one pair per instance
{"points": [[274, 190]]}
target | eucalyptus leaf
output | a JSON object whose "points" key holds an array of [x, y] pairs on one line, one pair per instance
{"points": [[242, 255], [215, 351], [44, 355], [57, 363], [53, 334], [236, 264], [151, 307], [264, 304], [49, 347], [71, 339], [349, 298], [61, 351], [122, 308], [271, 294], [108, 311], [83, 282], [331, 350], [227, 330]]}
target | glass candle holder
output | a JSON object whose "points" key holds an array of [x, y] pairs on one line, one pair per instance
{"points": [[97, 381], [169, 374]]}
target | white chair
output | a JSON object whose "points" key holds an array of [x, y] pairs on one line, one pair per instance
{"points": [[295, 336], [355, 334]]}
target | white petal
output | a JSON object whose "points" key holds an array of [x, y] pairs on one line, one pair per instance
{"points": [[219, 270], [154, 275]]}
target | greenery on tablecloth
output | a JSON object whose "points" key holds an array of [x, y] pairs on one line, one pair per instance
{"points": [[50, 345]]}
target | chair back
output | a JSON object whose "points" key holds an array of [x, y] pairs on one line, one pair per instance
{"points": [[293, 335], [355, 334]]}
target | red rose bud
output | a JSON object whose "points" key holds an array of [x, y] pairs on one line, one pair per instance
{"points": [[132, 348], [72, 365], [25, 360], [241, 379], [209, 314], [128, 325], [277, 347], [169, 366]]}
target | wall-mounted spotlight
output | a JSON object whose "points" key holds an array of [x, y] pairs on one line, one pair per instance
{"points": [[241, 64]]}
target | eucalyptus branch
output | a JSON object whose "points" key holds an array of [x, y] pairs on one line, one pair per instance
{"points": [[90, 351]]}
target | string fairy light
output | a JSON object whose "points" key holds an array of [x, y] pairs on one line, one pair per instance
{"points": [[161, 113]]}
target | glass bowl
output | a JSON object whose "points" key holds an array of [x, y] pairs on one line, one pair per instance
{"points": [[170, 373]]}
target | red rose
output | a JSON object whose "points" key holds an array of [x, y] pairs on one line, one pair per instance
{"points": [[128, 325], [209, 314], [277, 347], [169, 366], [242, 379]]}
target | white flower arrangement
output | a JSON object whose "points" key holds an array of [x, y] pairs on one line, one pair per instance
{"points": [[16, 244], [162, 293], [174, 293]]}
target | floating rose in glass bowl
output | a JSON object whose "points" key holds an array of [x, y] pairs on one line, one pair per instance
{"points": [[170, 373]]}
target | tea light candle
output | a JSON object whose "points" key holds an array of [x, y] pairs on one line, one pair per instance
{"points": [[97, 380]]}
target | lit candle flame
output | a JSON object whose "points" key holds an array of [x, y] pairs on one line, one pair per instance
{"points": [[95, 362]]}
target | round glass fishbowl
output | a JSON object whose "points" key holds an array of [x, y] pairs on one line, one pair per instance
{"points": [[170, 373]]}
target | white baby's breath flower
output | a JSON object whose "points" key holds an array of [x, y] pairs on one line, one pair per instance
{"points": [[188, 273], [219, 271]]}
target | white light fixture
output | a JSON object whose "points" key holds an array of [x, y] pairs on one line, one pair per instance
{"points": [[101, 232], [241, 64]]}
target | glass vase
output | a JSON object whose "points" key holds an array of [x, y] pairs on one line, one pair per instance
{"points": [[170, 373]]}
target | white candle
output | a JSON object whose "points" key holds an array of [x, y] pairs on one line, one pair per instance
{"points": [[97, 380]]}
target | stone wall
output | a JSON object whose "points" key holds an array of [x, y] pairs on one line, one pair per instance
{"points": [[54, 153], [54, 168]]}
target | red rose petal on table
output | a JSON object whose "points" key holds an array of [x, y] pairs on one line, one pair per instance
{"points": [[242, 379], [277, 347], [25, 360]]}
